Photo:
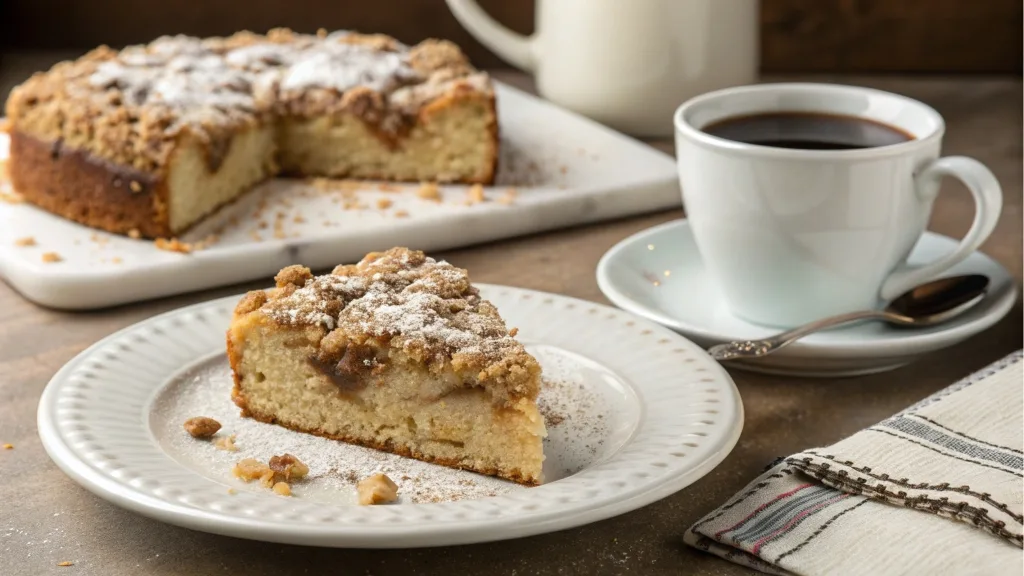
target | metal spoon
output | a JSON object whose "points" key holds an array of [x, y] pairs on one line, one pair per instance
{"points": [[928, 304]]}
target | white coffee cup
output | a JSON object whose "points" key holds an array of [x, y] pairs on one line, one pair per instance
{"points": [[628, 63], [793, 235]]}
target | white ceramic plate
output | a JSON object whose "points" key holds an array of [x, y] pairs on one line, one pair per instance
{"points": [[566, 170], [647, 414], [658, 274]]}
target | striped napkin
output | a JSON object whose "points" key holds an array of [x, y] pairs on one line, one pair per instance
{"points": [[936, 489]]}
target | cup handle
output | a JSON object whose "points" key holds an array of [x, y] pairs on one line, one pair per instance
{"points": [[515, 48], [988, 200]]}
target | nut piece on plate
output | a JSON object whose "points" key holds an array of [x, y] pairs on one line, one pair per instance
{"points": [[377, 489], [250, 469], [288, 467], [226, 443], [201, 427]]}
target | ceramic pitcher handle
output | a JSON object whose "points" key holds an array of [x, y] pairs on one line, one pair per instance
{"points": [[988, 201], [515, 48]]}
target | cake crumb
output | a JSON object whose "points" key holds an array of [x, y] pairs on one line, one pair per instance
{"points": [[135, 186], [25, 242], [377, 489], [226, 443], [384, 203], [475, 195], [282, 489], [288, 467], [65, 563], [134, 234], [401, 214], [513, 332], [509, 197], [201, 427], [51, 257], [173, 245], [249, 469], [429, 191], [232, 491], [8, 446]]}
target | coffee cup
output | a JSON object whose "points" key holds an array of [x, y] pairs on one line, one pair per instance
{"points": [[806, 199], [627, 63]]}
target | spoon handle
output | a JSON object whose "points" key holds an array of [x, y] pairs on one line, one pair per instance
{"points": [[757, 348]]}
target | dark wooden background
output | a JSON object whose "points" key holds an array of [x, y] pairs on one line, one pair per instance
{"points": [[939, 36]]}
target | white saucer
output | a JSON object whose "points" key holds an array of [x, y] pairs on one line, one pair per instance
{"points": [[658, 274], [641, 413]]}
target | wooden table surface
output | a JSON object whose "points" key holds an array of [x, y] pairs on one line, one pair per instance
{"points": [[45, 518]]}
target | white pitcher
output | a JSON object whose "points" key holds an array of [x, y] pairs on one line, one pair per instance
{"points": [[628, 63]]}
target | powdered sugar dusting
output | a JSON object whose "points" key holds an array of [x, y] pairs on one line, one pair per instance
{"points": [[581, 437]]}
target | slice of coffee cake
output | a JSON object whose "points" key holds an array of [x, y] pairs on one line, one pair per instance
{"points": [[397, 352]]}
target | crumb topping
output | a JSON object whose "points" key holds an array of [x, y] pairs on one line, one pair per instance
{"points": [[403, 299], [131, 106]]}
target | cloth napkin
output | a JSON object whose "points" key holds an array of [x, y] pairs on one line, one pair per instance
{"points": [[936, 489]]}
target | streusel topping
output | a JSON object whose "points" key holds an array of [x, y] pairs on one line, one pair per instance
{"points": [[130, 106], [403, 299]]}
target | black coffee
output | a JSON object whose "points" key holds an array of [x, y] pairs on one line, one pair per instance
{"points": [[807, 130]]}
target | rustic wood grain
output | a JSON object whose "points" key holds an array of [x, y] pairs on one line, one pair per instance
{"points": [[797, 35], [46, 518]]}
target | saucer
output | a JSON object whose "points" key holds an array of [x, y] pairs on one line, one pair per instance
{"points": [[658, 274]]}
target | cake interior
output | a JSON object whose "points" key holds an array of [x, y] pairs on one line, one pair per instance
{"points": [[404, 408]]}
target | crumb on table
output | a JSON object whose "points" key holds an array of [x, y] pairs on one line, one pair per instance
{"points": [[25, 242], [377, 489], [65, 563], [8, 446], [384, 203], [51, 257]]}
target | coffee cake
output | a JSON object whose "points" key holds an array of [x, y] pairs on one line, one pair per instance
{"points": [[151, 139], [398, 352]]}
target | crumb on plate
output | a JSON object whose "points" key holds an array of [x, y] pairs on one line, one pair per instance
{"points": [[384, 203], [173, 245], [287, 466], [51, 257], [429, 191], [475, 195], [377, 489], [201, 427], [226, 443], [25, 242]]}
